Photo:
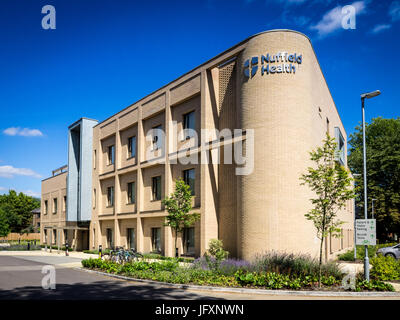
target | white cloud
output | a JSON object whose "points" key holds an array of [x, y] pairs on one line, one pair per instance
{"points": [[394, 10], [32, 193], [380, 27], [2, 188], [332, 20], [10, 172], [25, 132]]}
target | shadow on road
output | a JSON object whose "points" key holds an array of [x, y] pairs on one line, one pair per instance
{"points": [[109, 290]]}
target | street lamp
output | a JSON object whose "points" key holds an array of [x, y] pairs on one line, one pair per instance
{"points": [[355, 217], [367, 95]]}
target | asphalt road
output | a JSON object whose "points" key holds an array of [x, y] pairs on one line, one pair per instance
{"points": [[21, 278]]}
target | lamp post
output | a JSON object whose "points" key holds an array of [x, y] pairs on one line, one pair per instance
{"points": [[368, 96], [355, 217]]}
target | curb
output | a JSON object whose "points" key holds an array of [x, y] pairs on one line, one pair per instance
{"points": [[249, 291]]}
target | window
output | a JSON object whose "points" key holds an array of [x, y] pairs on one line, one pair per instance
{"points": [[46, 207], [188, 124], [327, 125], [65, 203], [110, 238], [131, 238], [131, 192], [157, 138], [188, 177], [54, 240], [55, 205], [156, 239], [156, 188], [131, 147], [110, 196], [340, 148], [188, 241], [94, 198], [94, 159], [111, 154]]}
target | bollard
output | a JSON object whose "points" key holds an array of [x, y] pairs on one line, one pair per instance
{"points": [[100, 251], [66, 249]]}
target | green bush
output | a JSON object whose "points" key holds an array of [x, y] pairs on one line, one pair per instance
{"points": [[385, 268], [360, 251], [294, 265], [373, 285]]}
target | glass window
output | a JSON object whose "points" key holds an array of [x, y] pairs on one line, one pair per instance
{"points": [[110, 196], [111, 154], [189, 123], [110, 238], [156, 188], [55, 205], [65, 203], [188, 177], [94, 198], [157, 138], [131, 238], [156, 239], [131, 192], [188, 240], [131, 147], [46, 206], [340, 148]]}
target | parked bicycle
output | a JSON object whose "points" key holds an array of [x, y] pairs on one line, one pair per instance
{"points": [[120, 255]]}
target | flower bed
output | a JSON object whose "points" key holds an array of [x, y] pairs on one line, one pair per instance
{"points": [[268, 272]]}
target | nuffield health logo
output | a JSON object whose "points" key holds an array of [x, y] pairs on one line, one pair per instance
{"points": [[282, 62]]}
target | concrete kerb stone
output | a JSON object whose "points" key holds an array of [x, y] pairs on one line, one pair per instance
{"points": [[249, 291]]}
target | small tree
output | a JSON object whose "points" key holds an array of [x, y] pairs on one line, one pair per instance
{"points": [[4, 227], [178, 206], [215, 253], [331, 184]]}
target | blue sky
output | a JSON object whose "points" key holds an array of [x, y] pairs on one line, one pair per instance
{"points": [[105, 55]]}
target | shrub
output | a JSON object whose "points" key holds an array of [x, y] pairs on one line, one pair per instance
{"points": [[294, 265], [385, 268]]}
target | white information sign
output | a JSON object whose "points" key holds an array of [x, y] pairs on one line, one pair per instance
{"points": [[366, 232]]}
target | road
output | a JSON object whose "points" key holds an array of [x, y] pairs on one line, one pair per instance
{"points": [[21, 278]]}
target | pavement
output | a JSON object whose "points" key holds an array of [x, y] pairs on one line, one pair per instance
{"points": [[21, 278]]}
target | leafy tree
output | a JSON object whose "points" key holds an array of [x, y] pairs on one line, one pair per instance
{"points": [[331, 183], [4, 227], [18, 209], [383, 172], [215, 253], [178, 206]]}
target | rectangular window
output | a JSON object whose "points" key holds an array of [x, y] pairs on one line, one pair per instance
{"points": [[131, 192], [94, 159], [55, 205], [156, 188], [189, 124], [340, 148], [110, 196], [54, 240], [94, 198], [110, 238], [131, 238], [131, 147], [111, 154], [188, 177], [157, 138], [156, 239], [65, 203], [46, 207], [188, 240]]}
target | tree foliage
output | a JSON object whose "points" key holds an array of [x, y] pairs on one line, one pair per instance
{"points": [[383, 172], [16, 210], [179, 205], [332, 185]]}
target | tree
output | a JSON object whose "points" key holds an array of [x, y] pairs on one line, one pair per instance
{"points": [[178, 206], [4, 227], [383, 172], [18, 209], [331, 183]]}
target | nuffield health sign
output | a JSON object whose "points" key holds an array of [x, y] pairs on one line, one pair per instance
{"points": [[282, 62]]}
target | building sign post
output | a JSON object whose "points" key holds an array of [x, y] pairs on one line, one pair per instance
{"points": [[366, 232]]}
